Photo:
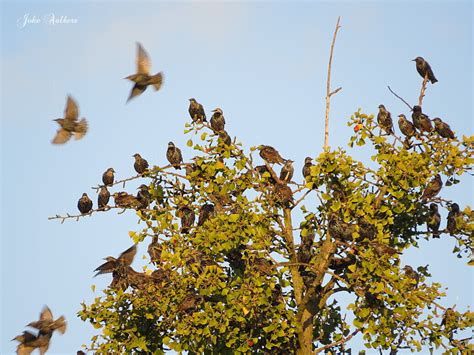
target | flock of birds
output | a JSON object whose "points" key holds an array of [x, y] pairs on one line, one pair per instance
{"points": [[120, 267]]}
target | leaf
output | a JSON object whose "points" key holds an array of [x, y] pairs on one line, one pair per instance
{"points": [[189, 143]]}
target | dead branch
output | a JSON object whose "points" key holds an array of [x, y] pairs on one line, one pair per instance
{"points": [[339, 342], [406, 103], [107, 208], [423, 89]]}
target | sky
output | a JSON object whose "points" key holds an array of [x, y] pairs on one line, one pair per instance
{"points": [[263, 63]]}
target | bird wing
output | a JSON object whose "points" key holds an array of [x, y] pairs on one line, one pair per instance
{"points": [[106, 267], [143, 60], [62, 136], [46, 314], [24, 349], [127, 256], [136, 90], [81, 129], [71, 112]]}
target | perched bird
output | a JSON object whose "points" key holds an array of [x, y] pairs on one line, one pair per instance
{"points": [[420, 120], [189, 303], [84, 204], [125, 258], [143, 196], [196, 111], [217, 120], [262, 265], [406, 127], [108, 177], [424, 69], [449, 318], [224, 138], [433, 188], [143, 78], [207, 211], [382, 249], [262, 169], [190, 168], [154, 250], [412, 274], [103, 198], [70, 124], [174, 156], [340, 229], [442, 128], [270, 155], [434, 220], [384, 119], [187, 218], [283, 195], [454, 212], [124, 200], [287, 171], [140, 164], [308, 163]]}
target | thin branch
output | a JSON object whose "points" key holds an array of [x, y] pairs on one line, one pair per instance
{"points": [[339, 342], [329, 93], [77, 216], [406, 103], [423, 89], [302, 198]]}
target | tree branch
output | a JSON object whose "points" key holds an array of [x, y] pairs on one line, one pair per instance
{"points": [[329, 93], [406, 103], [423, 89], [339, 342]]}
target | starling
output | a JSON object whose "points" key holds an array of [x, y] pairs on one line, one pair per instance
{"points": [[28, 343], [406, 127], [140, 164], [420, 120], [262, 169], [125, 258], [287, 171], [154, 250], [434, 220], [108, 177], [452, 215], [263, 265], [449, 318], [103, 198], [434, 186], [443, 128], [424, 69], [340, 229], [143, 196], [307, 167], [382, 249], [143, 78], [47, 325], [196, 111], [69, 124], [384, 119], [412, 274], [270, 155], [124, 200], [283, 195], [187, 218], [224, 138], [84, 204], [207, 211], [217, 120], [189, 303], [173, 154], [190, 168]]}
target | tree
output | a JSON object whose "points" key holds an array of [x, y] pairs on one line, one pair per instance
{"points": [[262, 272]]}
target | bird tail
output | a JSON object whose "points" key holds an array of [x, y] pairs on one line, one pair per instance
{"points": [[157, 80], [61, 324], [81, 129], [434, 80]]}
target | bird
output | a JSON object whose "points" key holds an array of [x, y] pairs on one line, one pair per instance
{"points": [[412, 274], [217, 120], [206, 212], [262, 169], [442, 128], [382, 249], [154, 250], [190, 302], [108, 177], [143, 196], [384, 119], [47, 325], [174, 156], [287, 171], [308, 163], [433, 188], [70, 124], [187, 218], [125, 258], [434, 220], [143, 78], [424, 69], [263, 265], [454, 212], [28, 343], [420, 120], [270, 154], [339, 229], [84, 204], [196, 111], [406, 127], [124, 200], [283, 194], [140, 164], [224, 138], [103, 198]]}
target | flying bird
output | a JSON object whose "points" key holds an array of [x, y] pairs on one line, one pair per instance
{"points": [[287, 171], [434, 220], [384, 119], [433, 188], [270, 155], [125, 259], [206, 212], [103, 198], [84, 204], [70, 124], [217, 120], [143, 78], [308, 163], [196, 111], [47, 325], [452, 215], [28, 343], [420, 120], [140, 164], [424, 69], [174, 156], [108, 177], [443, 128]]}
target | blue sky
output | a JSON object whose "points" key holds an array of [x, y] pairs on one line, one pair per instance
{"points": [[263, 63]]}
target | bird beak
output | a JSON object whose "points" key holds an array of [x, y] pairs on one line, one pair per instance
{"points": [[413, 60]]}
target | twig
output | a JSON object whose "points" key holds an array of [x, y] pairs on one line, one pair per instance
{"points": [[406, 103], [107, 208], [339, 342], [302, 197], [423, 89], [329, 93]]}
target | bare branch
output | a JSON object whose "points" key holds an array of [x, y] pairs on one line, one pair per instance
{"points": [[406, 103], [339, 342], [107, 208], [423, 89], [329, 93]]}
